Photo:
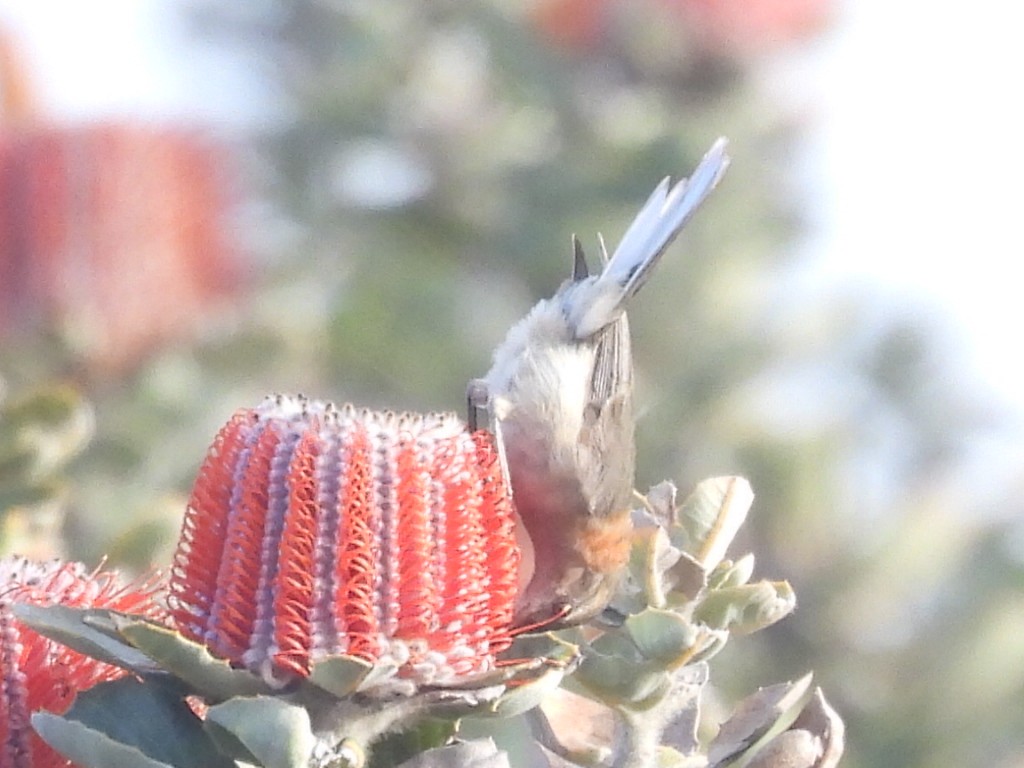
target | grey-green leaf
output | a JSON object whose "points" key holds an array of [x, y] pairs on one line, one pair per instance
{"points": [[85, 630], [663, 636], [730, 573], [616, 682], [276, 733], [340, 675], [131, 724], [189, 661], [525, 697], [755, 716], [747, 608], [87, 747], [712, 515]]}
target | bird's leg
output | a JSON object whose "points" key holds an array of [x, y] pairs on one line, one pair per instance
{"points": [[478, 398], [479, 401]]}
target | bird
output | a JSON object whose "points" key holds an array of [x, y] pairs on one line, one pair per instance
{"points": [[558, 400], [410, 541]]}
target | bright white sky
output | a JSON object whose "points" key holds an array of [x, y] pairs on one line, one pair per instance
{"points": [[916, 159], [123, 57], [920, 153]]}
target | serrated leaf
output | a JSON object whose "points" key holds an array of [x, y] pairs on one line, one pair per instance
{"points": [[130, 724], [711, 517], [747, 608], [277, 734], [82, 630], [664, 637], [215, 678]]}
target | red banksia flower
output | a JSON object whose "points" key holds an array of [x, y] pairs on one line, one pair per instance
{"points": [[38, 673], [116, 234], [314, 532]]}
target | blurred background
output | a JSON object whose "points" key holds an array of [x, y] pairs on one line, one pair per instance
{"points": [[202, 202]]}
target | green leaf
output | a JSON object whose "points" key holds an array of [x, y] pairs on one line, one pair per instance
{"points": [[711, 517], [524, 697], [664, 637], [130, 724], [277, 734], [715, 642], [87, 747], [616, 681], [747, 608], [88, 631], [340, 675], [214, 678], [664, 570], [732, 574]]}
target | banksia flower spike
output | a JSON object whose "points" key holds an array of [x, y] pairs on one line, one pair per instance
{"points": [[38, 673], [314, 532]]}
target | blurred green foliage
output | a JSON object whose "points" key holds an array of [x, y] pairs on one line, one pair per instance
{"points": [[41, 431], [420, 178]]}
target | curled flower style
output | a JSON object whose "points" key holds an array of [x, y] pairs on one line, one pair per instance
{"points": [[38, 673], [315, 532]]}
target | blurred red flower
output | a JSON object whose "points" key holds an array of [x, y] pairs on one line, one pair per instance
{"points": [[38, 673], [727, 28], [116, 234], [734, 27], [572, 24]]}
